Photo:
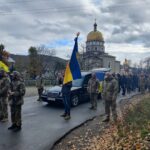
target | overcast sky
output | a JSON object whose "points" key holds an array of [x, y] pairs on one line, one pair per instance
{"points": [[125, 25]]}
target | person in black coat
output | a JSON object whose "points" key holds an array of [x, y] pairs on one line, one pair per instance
{"points": [[123, 84], [66, 88]]}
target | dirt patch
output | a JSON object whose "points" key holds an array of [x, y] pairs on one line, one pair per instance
{"points": [[95, 135]]}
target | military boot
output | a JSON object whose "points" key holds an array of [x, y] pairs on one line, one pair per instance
{"points": [[67, 117], [91, 107], [17, 128], [63, 115], [13, 126], [107, 119], [1, 118]]}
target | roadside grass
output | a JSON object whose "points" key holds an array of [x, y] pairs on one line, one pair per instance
{"points": [[133, 132], [130, 132], [138, 118]]}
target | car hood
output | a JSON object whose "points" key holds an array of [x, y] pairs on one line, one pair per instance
{"points": [[58, 89], [54, 89], [75, 88]]}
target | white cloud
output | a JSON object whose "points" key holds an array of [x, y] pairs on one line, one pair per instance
{"points": [[124, 24]]}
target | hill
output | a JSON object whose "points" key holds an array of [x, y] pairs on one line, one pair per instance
{"points": [[51, 62]]}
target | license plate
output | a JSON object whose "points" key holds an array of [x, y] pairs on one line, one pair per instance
{"points": [[51, 99]]}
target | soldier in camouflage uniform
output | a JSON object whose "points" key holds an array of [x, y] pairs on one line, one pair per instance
{"points": [[4, 88], [40, 86], [142, 83], [93, 89], [16, 101], [148, 83], [109, 95]]}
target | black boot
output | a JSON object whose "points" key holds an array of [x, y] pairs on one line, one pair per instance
{"points": [[13, 126], [106, 119], [67, 117], [91, 107], [17, 128], [63, 115]]}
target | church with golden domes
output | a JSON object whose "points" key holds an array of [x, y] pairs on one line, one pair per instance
{"points": [[95, 55]]}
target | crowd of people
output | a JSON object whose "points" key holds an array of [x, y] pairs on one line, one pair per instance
{"points": [[12, 91], [108, 90], [130, 82]]}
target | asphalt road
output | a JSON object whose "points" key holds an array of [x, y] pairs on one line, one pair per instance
{"points": [[42, 125]]}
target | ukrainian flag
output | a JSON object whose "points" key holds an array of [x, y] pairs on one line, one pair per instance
{"points": [[4, 66], [72, 71]]}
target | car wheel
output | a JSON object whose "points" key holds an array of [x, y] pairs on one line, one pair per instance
{"points": [[74, 100]]}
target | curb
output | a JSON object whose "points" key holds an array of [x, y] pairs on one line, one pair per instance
{"points": [[67, 133]]}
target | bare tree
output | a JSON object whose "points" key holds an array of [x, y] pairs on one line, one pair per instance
{"points": [[141, 64], [147, 62], [43, 52]]}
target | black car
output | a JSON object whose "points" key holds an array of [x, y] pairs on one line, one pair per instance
{"points": [[79, 92]]}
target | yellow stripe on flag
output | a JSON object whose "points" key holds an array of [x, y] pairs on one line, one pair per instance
{"points": [[68, 76], [4, 67]]}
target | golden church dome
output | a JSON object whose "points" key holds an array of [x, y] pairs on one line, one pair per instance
{"points": [[95, 35]]}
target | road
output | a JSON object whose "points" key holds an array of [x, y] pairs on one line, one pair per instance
{"points": [[42, 125]]}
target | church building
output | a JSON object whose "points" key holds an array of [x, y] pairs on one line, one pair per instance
{"points": [[95, 55]]}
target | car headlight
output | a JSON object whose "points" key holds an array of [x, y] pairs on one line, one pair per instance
{"points": [[45, 92], [60, 94]]}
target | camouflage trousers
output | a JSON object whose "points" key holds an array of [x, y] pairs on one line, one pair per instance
{"points": [[142, 89], [40, 91], [3, 108], [16, 114], [111, 106], [93, 99]]}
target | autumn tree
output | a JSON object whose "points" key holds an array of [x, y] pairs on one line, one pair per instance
{"points": [[33, 62], [2, 47]]}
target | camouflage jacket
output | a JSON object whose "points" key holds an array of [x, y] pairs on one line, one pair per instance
{"points": [[93, 86], [40, 82], [110, 89], [4, 87], [142, 81], [18, 87]]}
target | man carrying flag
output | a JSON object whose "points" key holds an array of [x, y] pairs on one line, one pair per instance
{"points": [[72, 72]]}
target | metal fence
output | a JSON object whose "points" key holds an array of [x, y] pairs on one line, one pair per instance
{"points": [[47, 82]]}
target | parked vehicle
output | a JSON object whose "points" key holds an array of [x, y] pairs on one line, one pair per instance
{"points": [[79, 92]]}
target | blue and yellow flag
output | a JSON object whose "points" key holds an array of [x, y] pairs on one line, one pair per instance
{"points": [[4, 66], [72, 71]]}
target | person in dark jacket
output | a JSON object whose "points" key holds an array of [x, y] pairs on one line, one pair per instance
{"points": [[119, 82], [66, 88], [123, 84]]}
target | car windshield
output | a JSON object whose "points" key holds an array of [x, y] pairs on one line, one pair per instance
{"points": [[77, 83]]}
